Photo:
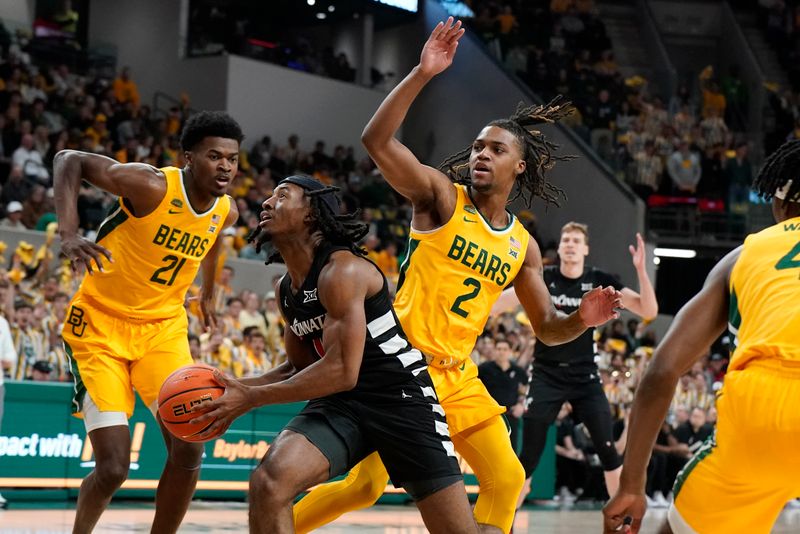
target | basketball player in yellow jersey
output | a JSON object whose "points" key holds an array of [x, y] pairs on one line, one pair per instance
{"points": [[744, 474], [465, 247], [126, 327]]}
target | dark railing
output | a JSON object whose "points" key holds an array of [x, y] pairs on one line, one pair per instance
{"points": [[665, 72], [163, 101], [688, 225]]}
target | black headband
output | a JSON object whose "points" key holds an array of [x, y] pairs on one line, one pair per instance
{"points": [[310, 184]]}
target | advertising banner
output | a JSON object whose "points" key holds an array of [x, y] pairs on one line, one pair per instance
{"points": [[42, 446]]}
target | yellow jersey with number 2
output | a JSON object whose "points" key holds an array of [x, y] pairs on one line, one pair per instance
{"points": [[156, 257], [452, 276]]}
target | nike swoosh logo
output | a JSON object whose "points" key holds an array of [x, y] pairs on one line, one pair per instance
{"points": [[173, 212], [463, 365], [469, 220]]}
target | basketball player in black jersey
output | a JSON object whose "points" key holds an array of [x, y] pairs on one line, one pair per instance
{"points": [[568, 372], [346, 351]]}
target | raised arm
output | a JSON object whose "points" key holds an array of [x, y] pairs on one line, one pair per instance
{"points": [[142, 185], [208, 267], [421, 184], [694, 329], [552, 326], [644, 302]]}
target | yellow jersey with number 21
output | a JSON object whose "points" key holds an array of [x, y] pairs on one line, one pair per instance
{"points": [[156, 257]]}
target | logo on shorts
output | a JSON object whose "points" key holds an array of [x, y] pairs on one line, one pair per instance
{"points": [[75, 320]]}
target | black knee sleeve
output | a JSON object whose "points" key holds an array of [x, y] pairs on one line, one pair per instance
{"points": [[609, 457]]}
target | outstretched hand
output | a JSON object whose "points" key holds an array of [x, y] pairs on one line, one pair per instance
{"points": [[81, 252], [624, 513], [440, 48], [599, 305], [638, 254], [224, 410]]}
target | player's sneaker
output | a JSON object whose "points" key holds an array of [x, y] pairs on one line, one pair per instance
{"points": [[3, 502]]}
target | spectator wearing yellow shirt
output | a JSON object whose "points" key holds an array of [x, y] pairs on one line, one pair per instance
{"points": [[561, 6], [254, 359], [251, 315], [713, 99], [129, 153], [219, 353], [224, 289], [98, 131], [507, 20], [125, 89], [274, 339], [231, 324], [386, 260]]}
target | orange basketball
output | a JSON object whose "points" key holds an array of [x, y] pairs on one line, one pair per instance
{"points": [[181, 391]]}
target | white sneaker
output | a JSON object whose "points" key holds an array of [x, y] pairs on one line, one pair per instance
{"points": [[3, 502], [661, 501], [566, 496]]}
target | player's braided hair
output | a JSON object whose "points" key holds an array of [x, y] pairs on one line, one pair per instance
{"points": [[345, 229], [537, 151], [780, 167]]}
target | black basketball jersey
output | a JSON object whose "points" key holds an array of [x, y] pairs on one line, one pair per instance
{"points": [[566, 294], [389, 359]]}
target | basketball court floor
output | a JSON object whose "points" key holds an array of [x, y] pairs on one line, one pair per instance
{"points": [[232, 517]]}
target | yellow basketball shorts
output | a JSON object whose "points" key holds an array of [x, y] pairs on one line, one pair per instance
{"points": [[741, 478], [111, 356], [463, 396]]}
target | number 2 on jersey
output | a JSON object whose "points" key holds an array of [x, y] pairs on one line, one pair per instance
{"points": [[174, 264], [476, 288], [790, 261]]}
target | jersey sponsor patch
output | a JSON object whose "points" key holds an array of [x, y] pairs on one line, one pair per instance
{"points": [[309, 296], [586, 287], [178, 203], [470, 209]]}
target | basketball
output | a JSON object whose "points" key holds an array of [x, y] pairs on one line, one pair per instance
{"points": [[181, 391]]}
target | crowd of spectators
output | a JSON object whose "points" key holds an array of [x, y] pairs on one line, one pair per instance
{"points": [[692, 145]]}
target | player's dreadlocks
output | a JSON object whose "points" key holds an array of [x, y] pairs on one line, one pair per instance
{"points": [[537, 151], [780, 168], [337, 229]]}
